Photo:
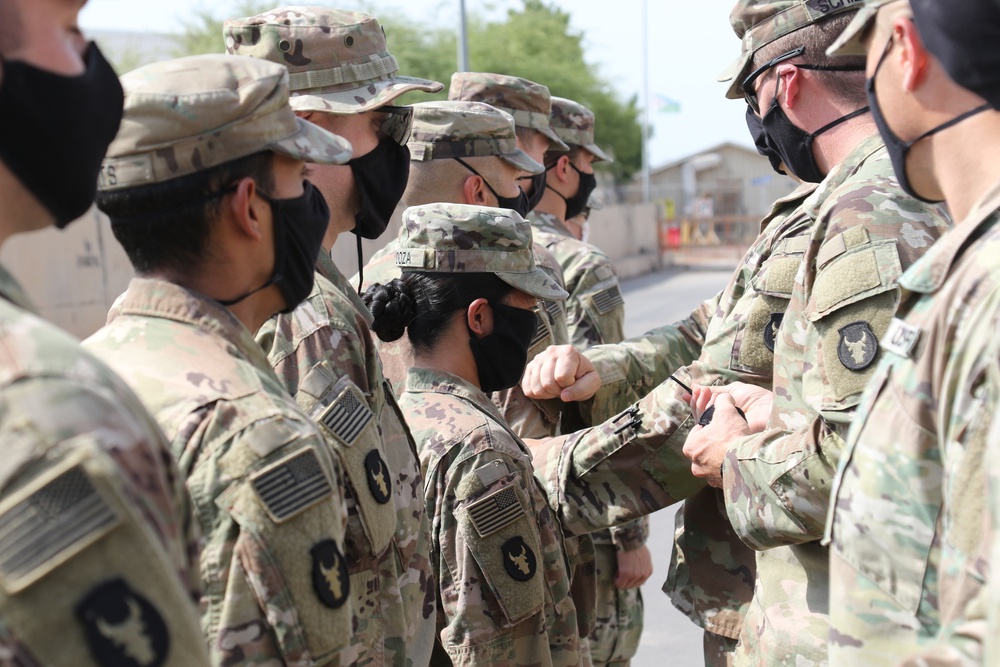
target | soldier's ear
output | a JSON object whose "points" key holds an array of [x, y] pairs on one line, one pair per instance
{"points": [[474, 190], [245, 209], [479, 318]]}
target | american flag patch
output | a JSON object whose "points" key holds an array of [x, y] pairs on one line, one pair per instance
{"points": [[541, 330], [347, 416], [292, 485], [495, 511], [609, 299], [61, 518], [555, 309]]}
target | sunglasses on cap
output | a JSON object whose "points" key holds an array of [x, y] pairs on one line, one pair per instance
{"points": [[750, 95]]}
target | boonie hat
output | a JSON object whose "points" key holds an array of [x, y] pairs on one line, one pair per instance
{"points": [[460, 238], [190, 114]]}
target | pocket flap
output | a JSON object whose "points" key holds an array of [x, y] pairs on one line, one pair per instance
{"points": [[853, 276]]}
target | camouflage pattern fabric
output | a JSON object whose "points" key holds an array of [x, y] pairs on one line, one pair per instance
{"points": [[89, 496], [324, 340], [618, 625], [574, 124], [865, 232], [909, 549], [501, 567], [338, 60], [265, 486], [595, 309], [712, 571]]}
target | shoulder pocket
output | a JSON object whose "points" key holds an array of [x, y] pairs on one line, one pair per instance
{"points": [[76, 560], [289, 518], [500, 532], [349, 425], [853, 300]]}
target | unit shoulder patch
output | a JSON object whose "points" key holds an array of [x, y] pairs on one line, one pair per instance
{"points": [[518, 559], [379, 482], [771, 330], [123, 629], [330, 577], [858, 346]]}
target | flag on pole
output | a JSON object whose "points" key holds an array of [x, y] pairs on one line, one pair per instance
{"points": [[665, 104]]}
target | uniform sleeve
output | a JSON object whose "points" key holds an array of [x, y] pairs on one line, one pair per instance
{"points": [[630, 536], [595, 309], [632, 368], [627, 467]]}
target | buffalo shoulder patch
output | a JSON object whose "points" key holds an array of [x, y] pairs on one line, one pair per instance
{"points": [[858, 346]]}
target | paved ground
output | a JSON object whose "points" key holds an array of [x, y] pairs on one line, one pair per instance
{"points": [[669, 637]]}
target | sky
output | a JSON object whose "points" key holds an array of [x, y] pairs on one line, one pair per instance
{"points": [[689, 43]]}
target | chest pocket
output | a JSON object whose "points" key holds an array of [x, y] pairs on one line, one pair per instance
{"points": [[342, 411], [883, 518], [499, 531], [753, 350], [289, 517], [852, 302], [82, 580]]}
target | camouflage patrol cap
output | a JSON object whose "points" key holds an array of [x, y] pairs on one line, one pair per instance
{"points": [[760, 22], [337, 59], [528, 102], [460, 238], [849, 42], [187, 115], [448, 129], [574, 124]]}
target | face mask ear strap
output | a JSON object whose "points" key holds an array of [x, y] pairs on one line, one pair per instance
{"points": [[842, 119], [485, 182]]}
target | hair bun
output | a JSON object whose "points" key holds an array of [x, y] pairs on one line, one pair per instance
{"points": [[392, 307]]}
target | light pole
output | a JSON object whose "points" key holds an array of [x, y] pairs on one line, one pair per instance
{"points": [[463, 39], [645, 100]]}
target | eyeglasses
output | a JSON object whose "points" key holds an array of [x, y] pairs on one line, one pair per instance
{"points": [[751, 95], [398, 123]]}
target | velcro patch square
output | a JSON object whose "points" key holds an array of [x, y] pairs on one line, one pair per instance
{"points": [[292, 485], [541, 331], [495, 511], [554, 309], [607, 300], [347, 416], [62, 517]]}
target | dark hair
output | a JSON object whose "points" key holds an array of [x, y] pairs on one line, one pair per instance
{"points": [[551, 157], [422, 304], [171, 221], [816, 39]]}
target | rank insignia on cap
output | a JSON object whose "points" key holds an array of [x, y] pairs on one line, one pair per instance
{"points": [[771, 330], [60, 516], [292, 485], [495, 511], [607, 300], [347, 416], [330, 577], [123, 629], [518, 559], [378, 477], [858, 346]]}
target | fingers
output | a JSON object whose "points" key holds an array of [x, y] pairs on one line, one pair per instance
{"points": [[584, 387], [560, 371]]}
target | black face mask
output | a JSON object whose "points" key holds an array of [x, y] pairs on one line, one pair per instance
{"points": [[760, 140], [58, 130], [299, 226], [502, 356], [381, 176], [537, 189], [793, 145], [897, 148], [518, 203], [578, 202]]}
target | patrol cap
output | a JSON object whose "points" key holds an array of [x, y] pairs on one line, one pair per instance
{"points": [[760, 22], [528, 102], [337, 59], [574, 124], [965, 38], [849, 42], [190, 114], [460, 238], [448, 129]]}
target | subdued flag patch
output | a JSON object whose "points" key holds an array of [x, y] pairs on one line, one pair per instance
{"points": [[495, 511], [607, 300], [292, 485], [347, 416]]}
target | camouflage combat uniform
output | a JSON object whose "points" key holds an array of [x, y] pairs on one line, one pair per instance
{"points": [[265, 487], [98, 543], [501, 563], [907, 510], [325, 357], [712, 571]]}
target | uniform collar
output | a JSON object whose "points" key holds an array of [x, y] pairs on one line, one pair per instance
{"points": [[154, 298], [549, 223], [434, 381], [930, 272], [781, 205], [326, 268], [11, 290]]}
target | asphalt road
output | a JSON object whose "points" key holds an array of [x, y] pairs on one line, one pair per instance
{"points": [[669, 638]]}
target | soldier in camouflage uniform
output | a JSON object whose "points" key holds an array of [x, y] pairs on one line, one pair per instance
{"points": [[98, 545], [469, 281], [208, 199], [909, 553], [323, 351]]}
